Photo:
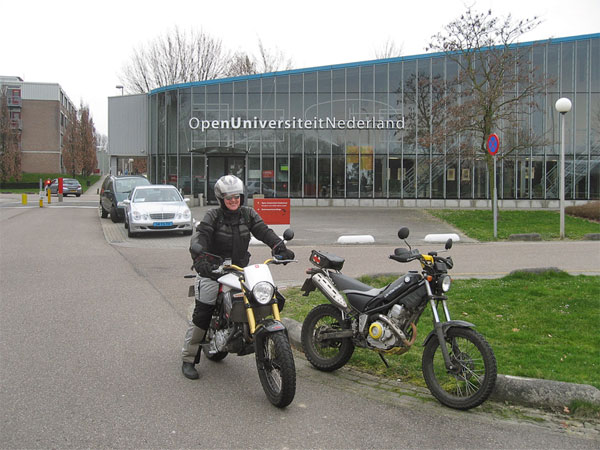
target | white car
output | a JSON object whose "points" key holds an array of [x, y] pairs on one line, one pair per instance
{"points": [[156, 208]]}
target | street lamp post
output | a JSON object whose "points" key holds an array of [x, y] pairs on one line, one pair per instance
{"points": [[563, 106], [118, 86]]}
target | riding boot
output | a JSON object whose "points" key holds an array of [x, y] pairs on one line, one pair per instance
{"points": [[190, 352]]}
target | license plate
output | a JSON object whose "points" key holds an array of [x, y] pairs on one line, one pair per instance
{"points": [[163, 224]]}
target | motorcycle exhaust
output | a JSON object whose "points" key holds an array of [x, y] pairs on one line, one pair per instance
{"points": [[328, 289], [398, 332]]}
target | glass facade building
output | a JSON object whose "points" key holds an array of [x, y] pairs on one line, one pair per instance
{"points": [[338, 135]]}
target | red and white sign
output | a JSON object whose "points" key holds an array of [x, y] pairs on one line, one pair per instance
{"points": [[274, 211]]}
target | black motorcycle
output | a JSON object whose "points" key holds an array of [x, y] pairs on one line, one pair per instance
{"points": [[458, 364]]}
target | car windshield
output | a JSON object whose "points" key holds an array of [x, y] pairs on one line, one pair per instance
{"points": [[156, 195], [126, 186], [70, 181]]}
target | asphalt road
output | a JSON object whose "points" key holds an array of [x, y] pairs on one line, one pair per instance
{"points": [[90, 334]]}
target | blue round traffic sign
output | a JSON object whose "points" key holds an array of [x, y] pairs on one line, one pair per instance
{"points": [[493, 144]]}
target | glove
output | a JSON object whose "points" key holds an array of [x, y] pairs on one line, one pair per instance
{"points": [[282, 252], [202, 266], [205, 263]]}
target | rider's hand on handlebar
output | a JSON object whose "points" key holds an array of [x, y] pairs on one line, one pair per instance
{"points": [[282, 252], [202, 266]]}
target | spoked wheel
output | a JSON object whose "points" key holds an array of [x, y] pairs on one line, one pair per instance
{"points": [[276, 369], [474, 376], [325, 354]]}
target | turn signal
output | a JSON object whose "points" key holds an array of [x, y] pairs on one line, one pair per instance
{"points": [[429, 278]]}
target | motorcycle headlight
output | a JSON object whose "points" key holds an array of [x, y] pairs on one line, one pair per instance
{"points": [[445, 283], [263, 292]]}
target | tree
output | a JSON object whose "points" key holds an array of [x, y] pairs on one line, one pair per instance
{"points": [[87, 141], [79, 143], [496, 86], [10, 154], [176, 57], [267, 61], [388, 50], [71, 156]]}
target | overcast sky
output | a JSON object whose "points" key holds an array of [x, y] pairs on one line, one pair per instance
{"points": [[84, 45]]}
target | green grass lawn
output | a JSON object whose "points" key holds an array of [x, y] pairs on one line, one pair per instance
{"points": [[35, 178], [539, 325], [479, 224]]}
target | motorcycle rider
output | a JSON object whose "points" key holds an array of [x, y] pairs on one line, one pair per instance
{"points": [[224, 231]]}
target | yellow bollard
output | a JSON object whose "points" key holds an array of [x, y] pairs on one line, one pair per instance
{"points": [[49, 200], [24, 199], [41, 199]]}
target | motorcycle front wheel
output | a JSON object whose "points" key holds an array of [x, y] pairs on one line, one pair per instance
{"points": [[325, 354], [276, 369], [474, 376]]}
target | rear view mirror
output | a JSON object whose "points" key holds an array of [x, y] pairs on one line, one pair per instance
{"points": [[449, 244], [403, 233], [288, 234]]}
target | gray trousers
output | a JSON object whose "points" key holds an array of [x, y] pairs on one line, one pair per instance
{"points": [[206, 291]]}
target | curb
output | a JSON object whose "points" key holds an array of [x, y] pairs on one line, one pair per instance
{"points": [[530, 392], [356, 239]]}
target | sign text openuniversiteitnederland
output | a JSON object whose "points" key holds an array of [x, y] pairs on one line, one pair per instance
{"points": [[237, 123]]}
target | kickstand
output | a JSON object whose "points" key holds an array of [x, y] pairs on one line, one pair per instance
{"points": [[384, 361]]}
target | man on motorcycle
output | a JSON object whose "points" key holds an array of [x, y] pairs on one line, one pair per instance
{"points": [[224, 231]]}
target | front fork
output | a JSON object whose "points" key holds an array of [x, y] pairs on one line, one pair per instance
{"points": [[251, 318], [438, 326]]}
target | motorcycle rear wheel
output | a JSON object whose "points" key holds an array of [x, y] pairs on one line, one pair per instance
{"points": [[326, 355], [276, 370], [473, 381]]}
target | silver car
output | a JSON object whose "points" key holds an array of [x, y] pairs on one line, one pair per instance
{"points": [[70, 186], [156, 208]]}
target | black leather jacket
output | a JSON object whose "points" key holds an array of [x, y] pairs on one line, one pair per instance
{"points": [[227, 233]]}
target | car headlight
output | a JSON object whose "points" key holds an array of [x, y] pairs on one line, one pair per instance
{"points": [[183, 214], [136, 215], [263, 292], [445, 283]]}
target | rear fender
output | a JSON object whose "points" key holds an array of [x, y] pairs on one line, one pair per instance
{"points": [[446, 326]]}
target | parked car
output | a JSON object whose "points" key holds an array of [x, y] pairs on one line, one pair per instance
{"points": [[254, 187], [156, 208], [70, 186], [115, 189]]}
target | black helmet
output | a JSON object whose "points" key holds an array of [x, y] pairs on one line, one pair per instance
{"points": [[229, 185]]}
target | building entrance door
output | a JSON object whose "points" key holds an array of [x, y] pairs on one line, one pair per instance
{"points": [[219, 165]]}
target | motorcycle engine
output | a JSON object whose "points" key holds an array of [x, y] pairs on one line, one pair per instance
{"points": [[380, 334], [220, 339]]}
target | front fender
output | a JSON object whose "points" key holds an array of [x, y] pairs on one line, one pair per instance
{"points": [[264, 328], [268, 326], [447, 325]]}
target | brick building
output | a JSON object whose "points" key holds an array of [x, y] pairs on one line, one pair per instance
{"points": [[40, 111]]}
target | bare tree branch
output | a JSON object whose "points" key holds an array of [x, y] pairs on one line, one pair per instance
{"points": [[177, 57], [496, 86], [388, 50]]}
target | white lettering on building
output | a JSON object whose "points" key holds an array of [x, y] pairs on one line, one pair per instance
{"points": [[236, 123]]}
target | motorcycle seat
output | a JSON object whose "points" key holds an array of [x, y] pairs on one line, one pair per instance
{"points": [[358, 294]]}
